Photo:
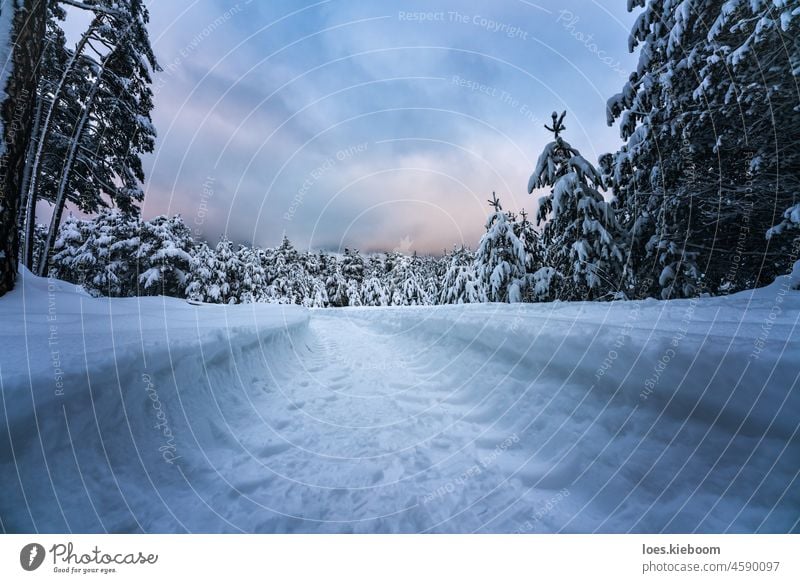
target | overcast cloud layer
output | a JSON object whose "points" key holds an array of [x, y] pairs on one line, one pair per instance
{"points": [[376, 125]]}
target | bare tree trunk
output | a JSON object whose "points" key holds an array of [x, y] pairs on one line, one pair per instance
{"points": [[36, 162], [27, 220], [16, 112], [61, 195]]}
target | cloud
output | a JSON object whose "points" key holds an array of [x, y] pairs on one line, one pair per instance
{"points": [[422, 119]]}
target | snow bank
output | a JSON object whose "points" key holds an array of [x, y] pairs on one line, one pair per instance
{"points": [[103, 332], [94, 389]]}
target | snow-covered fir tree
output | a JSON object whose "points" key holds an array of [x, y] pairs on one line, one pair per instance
{"points": [[164, 256], [278, 261], [54, 59], [373, 292], [253, 278], [311, 263], [654, 174], [431, 274], [375, 267], [100, 253], [531, 241], [389, 259], [460, 283], [202, 269], [215, 274], [353, 293], [583, 241], [500, 258], [698, 116], [71, 237], [318, 294], [405, 286], [747, 85], [352, 265], [336, 287], [107, 85], [286, 274]]}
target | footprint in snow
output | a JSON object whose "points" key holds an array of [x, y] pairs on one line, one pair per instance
{"points": [[273, 448]]}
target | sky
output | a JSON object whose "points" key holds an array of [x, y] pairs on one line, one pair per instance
{"points": [[375, 125]]}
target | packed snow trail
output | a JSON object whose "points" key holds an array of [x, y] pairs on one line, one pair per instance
{"points": [[568, 417]]}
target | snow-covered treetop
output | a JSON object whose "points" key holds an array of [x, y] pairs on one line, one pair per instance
{"points": [[559, 158]]}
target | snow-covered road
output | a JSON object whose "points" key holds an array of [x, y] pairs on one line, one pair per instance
{"points": [[636, 416]]}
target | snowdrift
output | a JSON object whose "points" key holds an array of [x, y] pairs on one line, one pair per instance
{"points": [[154, 415], [95, 391]]}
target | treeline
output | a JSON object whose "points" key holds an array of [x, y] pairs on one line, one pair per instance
{"points": [[119, 255]]}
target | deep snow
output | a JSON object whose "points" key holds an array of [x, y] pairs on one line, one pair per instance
{"points": [[155, 415]]}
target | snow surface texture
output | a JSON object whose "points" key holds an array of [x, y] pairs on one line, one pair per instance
{"points": [[155, 415]]}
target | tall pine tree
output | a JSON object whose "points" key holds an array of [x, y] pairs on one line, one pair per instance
{"points": [[106, 83], [22, 28], [583, 241], [710, 119]]}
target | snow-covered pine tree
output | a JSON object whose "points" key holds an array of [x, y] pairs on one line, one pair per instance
{"points": [[373, 292], [280, 259], [325, 263], [252, 284], [59, 105], [353, 293], [500, 258], [654, 175], [460, 283], [771, 34], [286, 275], [583, 241], [336, 287], [531, 241], [111, 83], [431, 276], [679, 275], [405, 287], [118, 241], [318, 295], [375, 267], [389, 260], [299, 284], [203, 268], [310, 262], [540, 282], [100, 253], [71, 238], [352, 265], [714, 88], [164, 256], [223, 284], [750, 83]]}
